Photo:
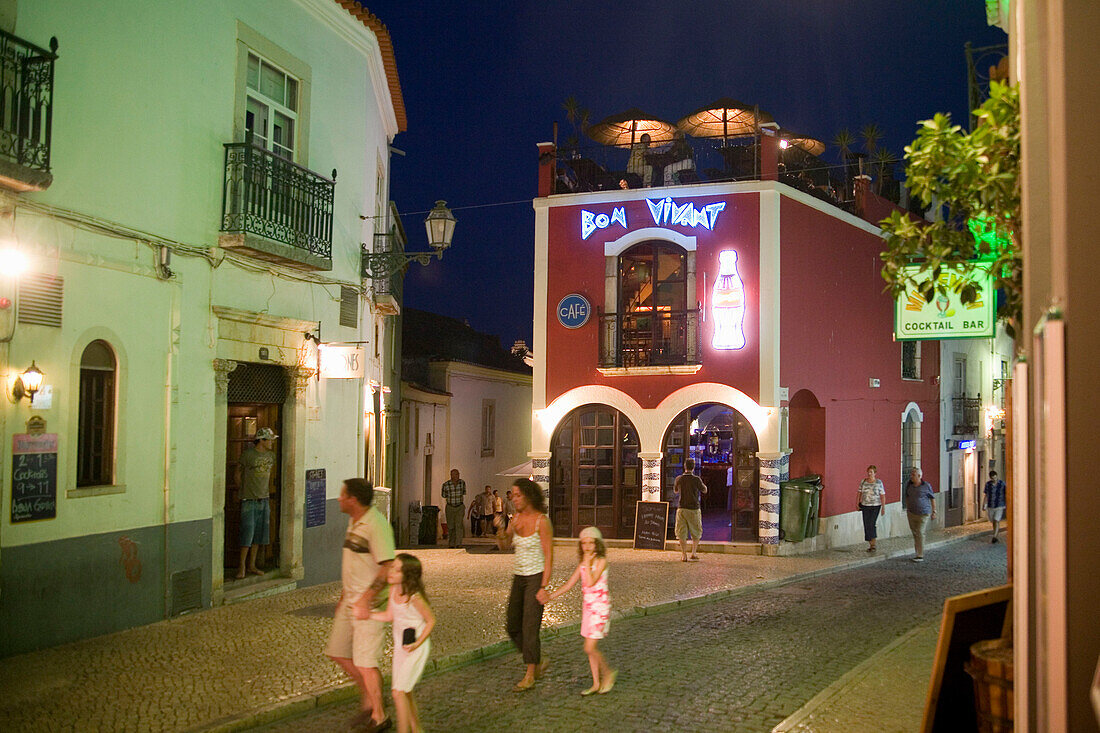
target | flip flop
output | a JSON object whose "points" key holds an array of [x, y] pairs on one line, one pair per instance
{"points": [[523, 685], [606, 686]]}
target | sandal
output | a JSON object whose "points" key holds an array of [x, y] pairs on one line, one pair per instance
{"points": [[524, 684], [541, 669], [590, 691], [609, 683]]}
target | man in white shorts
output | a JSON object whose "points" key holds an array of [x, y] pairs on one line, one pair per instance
{"points": [[689, 514], [356, 640]]}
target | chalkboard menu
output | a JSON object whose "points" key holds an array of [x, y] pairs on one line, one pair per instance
{"points": [[33, 477], [650, 525], [315, 497]]}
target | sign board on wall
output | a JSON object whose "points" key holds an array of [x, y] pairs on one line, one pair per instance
{"points": [[33, 477], [946, 317], [315, 497], [573, 310], [341, 362]]}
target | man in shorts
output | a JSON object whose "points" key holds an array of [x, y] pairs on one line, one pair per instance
{"points": [[993, 502], [254, 479], [356, 641], [689, 514]]}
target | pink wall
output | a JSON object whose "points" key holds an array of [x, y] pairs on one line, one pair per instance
{"points": [[836, 334], [576, 265]]}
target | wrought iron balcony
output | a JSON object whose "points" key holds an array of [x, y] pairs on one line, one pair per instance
{"points": [[388, 290], [650, 338], [968, 414], [26, 113], [266, 197]]}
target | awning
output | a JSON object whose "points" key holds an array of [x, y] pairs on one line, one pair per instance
{"points": [[525, 469]]}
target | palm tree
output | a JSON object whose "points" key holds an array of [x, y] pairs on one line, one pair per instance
{"points": [[884, 161], [871, 134], [844, 141]]}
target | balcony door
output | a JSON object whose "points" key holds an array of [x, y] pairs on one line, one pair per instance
{"points": [[652, 307]]}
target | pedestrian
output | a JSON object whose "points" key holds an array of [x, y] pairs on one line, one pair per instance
{"points": [[689, 514], [356, 639], [488, 510], [509, 508], [454, 493], [595, 605], [533, 564], [254, 477], [872, 500], [498, 511], [920, 502], [993, 502], [413, 622], [474, 515]]}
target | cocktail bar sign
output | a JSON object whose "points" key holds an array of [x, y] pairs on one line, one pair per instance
{"points": [[946, 316]]}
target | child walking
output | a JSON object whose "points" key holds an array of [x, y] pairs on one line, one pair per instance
{"points": [[595, 606], [413, 622]]}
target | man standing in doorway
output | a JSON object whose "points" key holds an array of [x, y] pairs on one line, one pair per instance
{"points": [[920, 502], [254, 477], [993, 502], [454, 493], [356, 640], [689, 514]]}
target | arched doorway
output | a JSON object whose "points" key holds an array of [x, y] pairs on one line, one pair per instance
{"points": [[595, 473], [724, 445], [806, 434]]}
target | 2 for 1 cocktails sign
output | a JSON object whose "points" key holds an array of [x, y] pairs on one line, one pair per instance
{"points": [[33, 477]]}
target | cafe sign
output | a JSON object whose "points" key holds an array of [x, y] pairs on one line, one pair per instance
{"points": [[946, 316], [341, 362]]}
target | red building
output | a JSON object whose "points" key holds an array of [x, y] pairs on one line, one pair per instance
{"points": [[649, 350]]}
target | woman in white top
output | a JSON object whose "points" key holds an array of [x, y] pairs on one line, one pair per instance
{"points": [[533, 537], [872, 500]]}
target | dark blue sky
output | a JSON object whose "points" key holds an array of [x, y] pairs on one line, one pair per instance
{"points": [[484, 81]]}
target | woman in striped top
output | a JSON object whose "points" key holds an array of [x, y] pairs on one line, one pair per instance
{"points": [[533, 537], [872, 500]]}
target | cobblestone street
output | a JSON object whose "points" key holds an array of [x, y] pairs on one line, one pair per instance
{"points": [[742, 664]]}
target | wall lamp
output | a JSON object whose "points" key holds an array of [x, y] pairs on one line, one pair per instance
{"points": [[27, 383], [389, 257]]}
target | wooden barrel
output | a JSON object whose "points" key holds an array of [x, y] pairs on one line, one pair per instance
{"points": [[990, 666]]}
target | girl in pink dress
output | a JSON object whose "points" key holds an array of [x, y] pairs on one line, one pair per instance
{"points": [[595, 606]]}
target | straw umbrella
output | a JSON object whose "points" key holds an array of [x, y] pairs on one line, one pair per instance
{"points": [[809, 144], [626, 128], [724, 118]]}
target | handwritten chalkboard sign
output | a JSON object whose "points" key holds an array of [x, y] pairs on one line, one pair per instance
{"points": [[650, 525], [315, 497], [33, 477]]}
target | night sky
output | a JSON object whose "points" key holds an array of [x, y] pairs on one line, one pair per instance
{"points": [[485, 81]]}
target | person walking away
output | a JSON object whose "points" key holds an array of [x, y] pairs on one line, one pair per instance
{"points": [[413, 622], [255, 466], [356, 639], [689, 514], [509, 508], [454, 493], [474, 515], [920, 503], [872, 500], [533, 538], [595, 605], [993, 502], [498, 511], [488, 510]]}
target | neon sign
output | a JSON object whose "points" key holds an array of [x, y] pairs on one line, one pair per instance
{"points": [[728, 304], [591, 222], [667, 211]]}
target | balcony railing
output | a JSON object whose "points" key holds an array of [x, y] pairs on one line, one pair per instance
{"points": [[388, 291], [968, 414], [26, 112], [650, 338], [272, 197]]}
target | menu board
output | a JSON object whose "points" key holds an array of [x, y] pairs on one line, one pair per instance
{"points": [[33, 477], [650, 525], [315, 497]]}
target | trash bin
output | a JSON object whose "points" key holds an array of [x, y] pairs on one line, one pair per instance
{"points": [[795, 499], [429, 525], [416, 514], [813, 481]]}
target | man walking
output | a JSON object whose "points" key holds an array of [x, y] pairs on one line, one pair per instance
{"points": [[488, 509], [993, 502], [920, 502], [356, 641], [454, 493], [689, 514], [254, 477]]}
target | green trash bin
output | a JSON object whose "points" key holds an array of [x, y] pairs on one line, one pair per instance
{"points": [[795, 499], [813, 481]]}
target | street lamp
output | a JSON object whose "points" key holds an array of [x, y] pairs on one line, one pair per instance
{"points": [[381, 265]]}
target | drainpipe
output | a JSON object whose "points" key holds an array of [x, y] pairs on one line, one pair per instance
{"points": [[170, 356]]}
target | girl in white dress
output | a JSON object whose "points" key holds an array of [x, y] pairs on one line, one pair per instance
{"points": [[413, 622]]}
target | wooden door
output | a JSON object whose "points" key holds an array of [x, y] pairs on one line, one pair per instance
{"points": [[243, 422]]}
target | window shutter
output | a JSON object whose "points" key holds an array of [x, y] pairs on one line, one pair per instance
{"points": [[40, 299], [349, 307]]}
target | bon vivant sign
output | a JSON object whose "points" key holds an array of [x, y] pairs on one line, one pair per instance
{"points": [[665, 212], [946, 317]]}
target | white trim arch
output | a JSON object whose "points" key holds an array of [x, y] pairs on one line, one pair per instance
{"points": [[546, 420], [762, 419], [628, 240], [911, 408]]}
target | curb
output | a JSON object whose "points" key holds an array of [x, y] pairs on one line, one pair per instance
{"points": [[302, 704]]}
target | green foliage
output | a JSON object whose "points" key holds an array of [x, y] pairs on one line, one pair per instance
{"points": [[975, 176]]}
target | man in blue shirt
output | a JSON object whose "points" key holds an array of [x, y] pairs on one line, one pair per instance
{"points": [[993, 502], [920, 503]]}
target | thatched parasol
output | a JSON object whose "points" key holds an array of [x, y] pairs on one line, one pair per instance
{"points": [[724, 118], [626, 128]]}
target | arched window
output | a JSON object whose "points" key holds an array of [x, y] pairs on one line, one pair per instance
{"points": [[95, 452], [653, 316], [910, 443]]}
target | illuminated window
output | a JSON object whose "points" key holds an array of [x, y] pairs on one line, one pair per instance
{"points": [[95, 449], [271, 107], [652, 319], [910, 360]]}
